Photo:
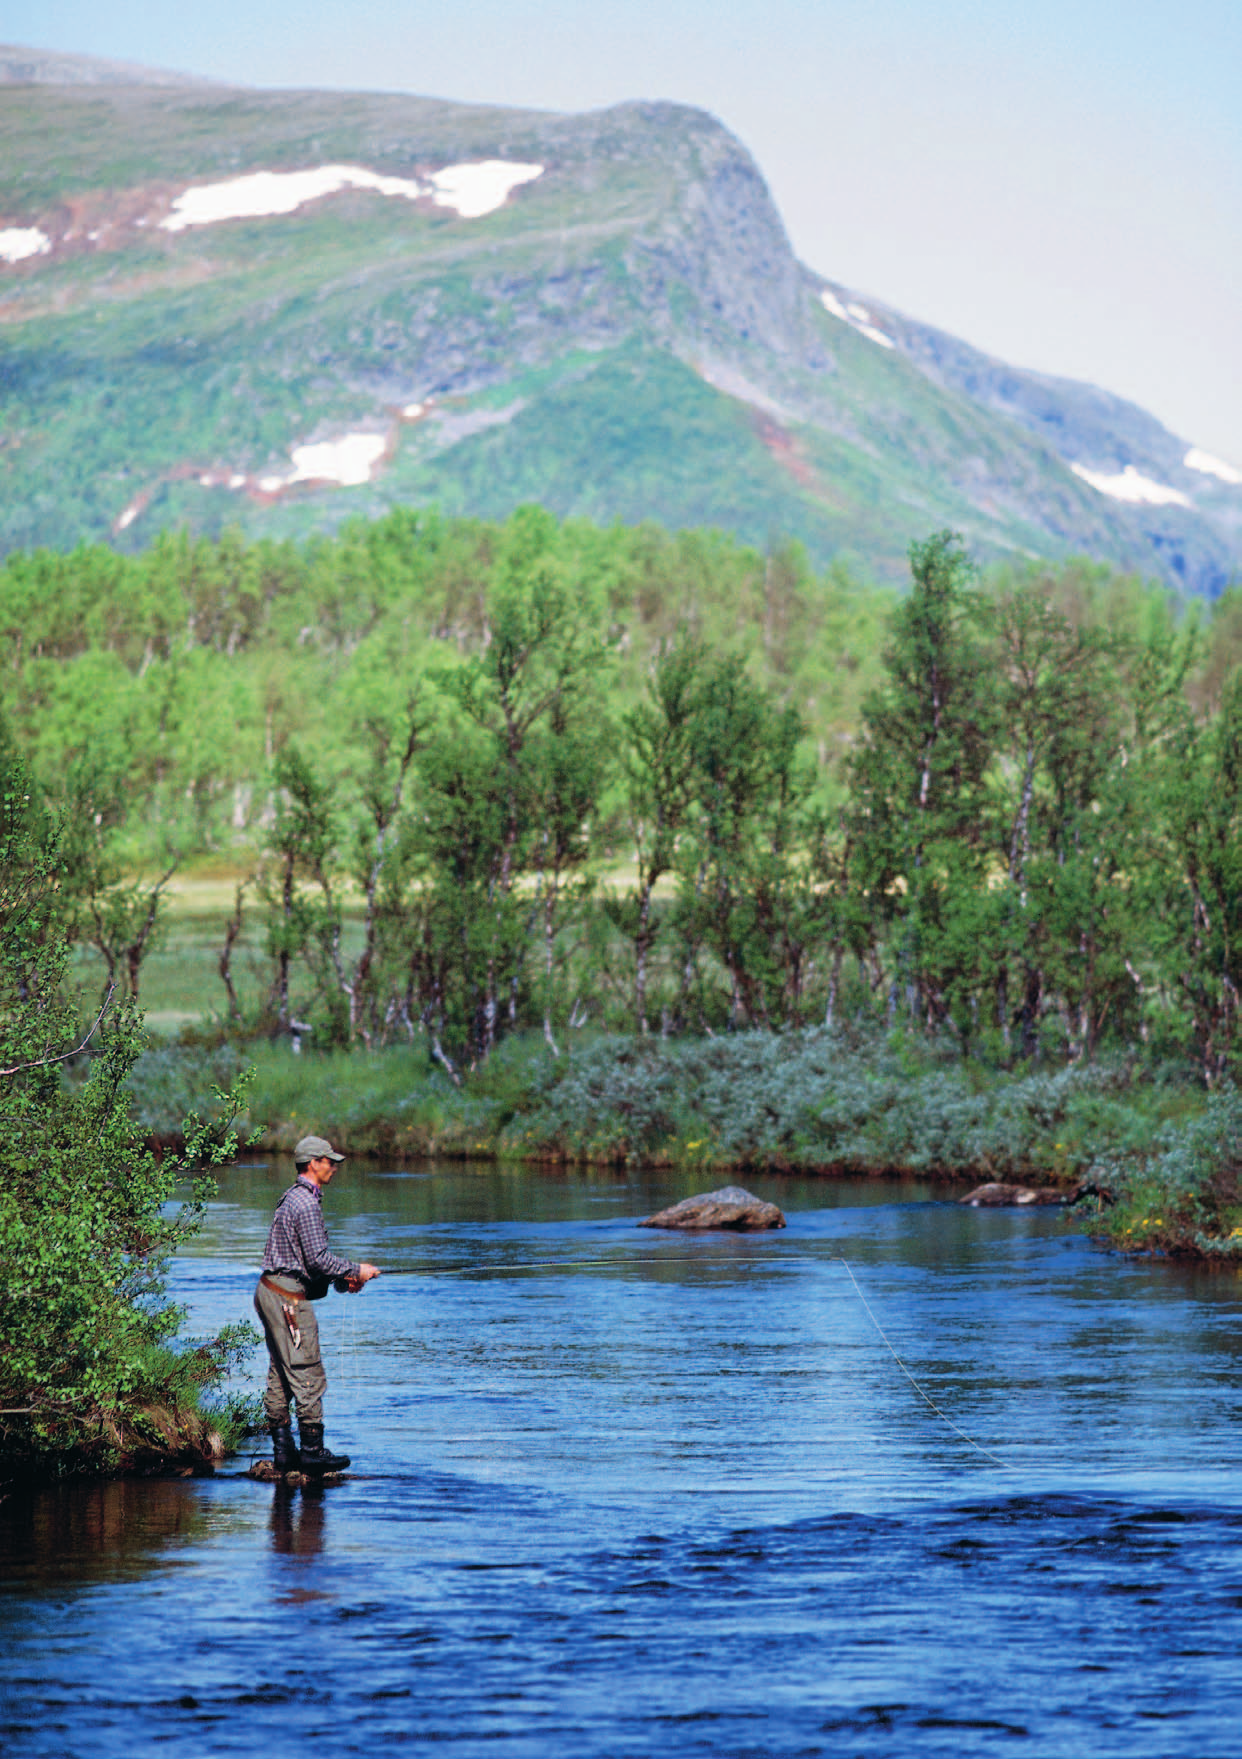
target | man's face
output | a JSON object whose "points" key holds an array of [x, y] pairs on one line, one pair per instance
{"points": [[321, 1169]]}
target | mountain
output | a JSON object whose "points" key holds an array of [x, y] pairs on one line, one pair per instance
{"points": [[51, 67], [275, 309]]}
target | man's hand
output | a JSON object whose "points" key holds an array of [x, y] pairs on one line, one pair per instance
{"points": [[365, 1273]]}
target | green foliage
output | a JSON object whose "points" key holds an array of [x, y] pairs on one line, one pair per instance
{"points": [[88, 1215], [515, 777], [183, 671], [168, 1083], [302, 912], [387, 1102], [440, 733], [1179, 1190], [495, 779], [918, 784], [1195, 895], [820, 1099]]}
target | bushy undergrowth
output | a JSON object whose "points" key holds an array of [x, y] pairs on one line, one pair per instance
{"points": [[169, 1083], [390, 1102], [832, 1102], [813, 1100], [387, 1102], [1179, 1192]]}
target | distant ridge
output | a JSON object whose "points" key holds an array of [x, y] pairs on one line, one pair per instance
{"points": [[227, 306], [20, 66]]}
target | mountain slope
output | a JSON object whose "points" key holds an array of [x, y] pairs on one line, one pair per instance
{"points": [[21, 66], [274, 309]]}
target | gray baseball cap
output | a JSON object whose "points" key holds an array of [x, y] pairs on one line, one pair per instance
{"points": [[315, 1148]]}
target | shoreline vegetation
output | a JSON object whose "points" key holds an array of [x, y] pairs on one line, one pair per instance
{"points": [[586, 847], [823, 1102]]}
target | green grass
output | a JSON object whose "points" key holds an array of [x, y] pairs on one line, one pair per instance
{"points": [[181, 989]]}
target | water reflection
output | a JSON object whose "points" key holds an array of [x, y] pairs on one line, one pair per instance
{"points": [[95, 1533], [297, 1526]]}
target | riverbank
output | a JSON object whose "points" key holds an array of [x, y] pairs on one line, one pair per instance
{"points": [[822, 1102], [128, 1434], [150, 1441]]}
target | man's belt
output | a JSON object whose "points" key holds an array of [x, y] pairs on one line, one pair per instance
{"points": [[285, 1294]]}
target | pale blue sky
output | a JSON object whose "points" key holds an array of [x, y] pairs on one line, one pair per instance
{"points": [[1059, 183]]}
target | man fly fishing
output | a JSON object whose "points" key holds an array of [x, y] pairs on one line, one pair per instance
{"points": [[298, 1268]]}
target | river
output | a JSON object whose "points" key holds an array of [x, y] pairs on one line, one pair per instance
{"points": [[905, 1478]]}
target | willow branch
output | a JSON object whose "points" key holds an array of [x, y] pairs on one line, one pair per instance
{"points": [[46, 1062]]}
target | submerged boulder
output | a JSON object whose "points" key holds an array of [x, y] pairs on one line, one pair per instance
{"points": [[730, 1207], [998, 1196]]}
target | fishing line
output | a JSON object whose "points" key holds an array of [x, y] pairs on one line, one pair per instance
{"points": [[697, 1258], [914, 1383], [348, 1353]]}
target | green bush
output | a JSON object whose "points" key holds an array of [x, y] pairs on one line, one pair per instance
{"points": [[1179, 1193], [92, 1374]]}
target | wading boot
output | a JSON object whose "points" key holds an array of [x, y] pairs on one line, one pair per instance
{"points": [[285, 1456], [315, 1456]]}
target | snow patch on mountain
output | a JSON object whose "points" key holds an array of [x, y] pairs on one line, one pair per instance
{"points": [[480, 189], [19, 242], [856, 316], [1130, 486], [349, 461], [471, 189], [261, 194], [1209, 466]]}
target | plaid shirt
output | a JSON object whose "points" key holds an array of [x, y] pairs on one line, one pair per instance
{"points": [[297, 1243]]}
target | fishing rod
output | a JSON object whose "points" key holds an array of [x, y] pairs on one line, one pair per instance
{"points": [[578, 1263], [698, 1258]]}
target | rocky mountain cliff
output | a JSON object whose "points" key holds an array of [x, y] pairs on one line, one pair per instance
{"points": [[275, 309]]}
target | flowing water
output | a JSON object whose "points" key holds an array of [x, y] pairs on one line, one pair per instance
{"points": [[680, 1499]]}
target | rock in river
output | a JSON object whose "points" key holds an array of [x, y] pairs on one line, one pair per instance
{"points": [[265, 1472], [996, 1196], [730, 1208]]}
